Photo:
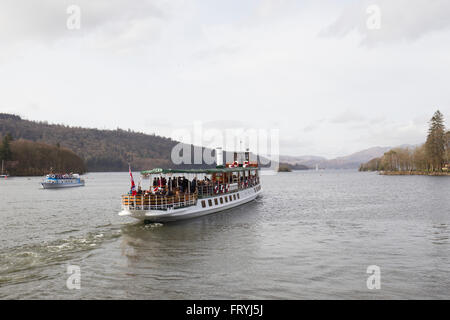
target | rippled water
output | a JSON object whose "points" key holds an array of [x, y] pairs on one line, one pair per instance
{"points": [[312, 235]]}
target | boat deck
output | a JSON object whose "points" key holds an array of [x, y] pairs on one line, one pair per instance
{"points": [[151, 201]]}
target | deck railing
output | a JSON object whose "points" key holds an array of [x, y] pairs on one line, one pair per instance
{"points": [[158, 202], [162, 202], [215, 189], [211, 190]]}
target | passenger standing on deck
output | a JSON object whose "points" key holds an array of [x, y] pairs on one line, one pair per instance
{"points": [[174, 184], [181, 184]]}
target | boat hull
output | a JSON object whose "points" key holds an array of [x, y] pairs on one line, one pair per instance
{"points": [[197, 210], [61, 185]]}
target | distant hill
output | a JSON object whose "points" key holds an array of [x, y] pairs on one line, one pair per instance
{"points": [[102, 150], [308, 161], [352, 161], [363, 155]]}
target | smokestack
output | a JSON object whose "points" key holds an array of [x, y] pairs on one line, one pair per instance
{"points": [[219, 156], [247, 155]]}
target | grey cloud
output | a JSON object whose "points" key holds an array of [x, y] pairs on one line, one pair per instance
{"points": [[222, 50], [45, 20], [313, 126], [377, 120], [401, 20], [310, 127], [347, 116], [395, 134]]}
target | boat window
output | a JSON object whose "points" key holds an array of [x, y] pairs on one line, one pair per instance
{"points": [[231, 199], [221, 200], [215, 202], [203, 204], [210, 202], [238, 196], [234, 196], [226, 199]]}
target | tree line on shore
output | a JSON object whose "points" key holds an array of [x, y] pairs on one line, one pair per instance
{"points": [[432, 156], [27, 158]]}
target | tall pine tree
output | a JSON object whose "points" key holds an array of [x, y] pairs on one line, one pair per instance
{"points": [[5, 149], [436, 141]]}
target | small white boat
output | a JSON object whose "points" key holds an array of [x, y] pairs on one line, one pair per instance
{"points": [[173, 197], [55, 181]]}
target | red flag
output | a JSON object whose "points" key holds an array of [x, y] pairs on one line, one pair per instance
{"points": [[133, 187]]}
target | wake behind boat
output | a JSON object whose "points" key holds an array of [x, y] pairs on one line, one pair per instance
{"points": [[55, 181], [173, 196]]}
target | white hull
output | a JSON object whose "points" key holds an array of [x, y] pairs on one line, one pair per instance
{"points": [[60, 185], [197, 210]]}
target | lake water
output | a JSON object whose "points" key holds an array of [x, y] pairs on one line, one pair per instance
{"points": [[312, 235]]}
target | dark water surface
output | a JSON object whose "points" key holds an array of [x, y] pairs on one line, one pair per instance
{"points": [[312, 235]]}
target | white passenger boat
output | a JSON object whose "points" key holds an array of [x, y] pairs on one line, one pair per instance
{"points": [[182, 194], [55, 181]]}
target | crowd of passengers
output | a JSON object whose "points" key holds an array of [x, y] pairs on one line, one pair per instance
{"points": [[181, 185], [60, 176]]}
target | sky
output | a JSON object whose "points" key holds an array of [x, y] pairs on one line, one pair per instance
{"points": [[334, 77]]}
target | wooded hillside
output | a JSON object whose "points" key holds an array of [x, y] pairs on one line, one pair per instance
{"points": [[102, 150], [30, 158]]}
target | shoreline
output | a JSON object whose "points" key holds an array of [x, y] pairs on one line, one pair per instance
{"points": [[413, 173]]}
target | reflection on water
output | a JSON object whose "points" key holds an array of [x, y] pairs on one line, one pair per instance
{"points": [[185, 246], [310, 236]]}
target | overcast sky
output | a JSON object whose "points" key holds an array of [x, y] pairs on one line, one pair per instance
{"points": [[312, 69]]}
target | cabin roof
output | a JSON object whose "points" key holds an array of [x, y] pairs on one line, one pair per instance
{"points": [[193, 171]]}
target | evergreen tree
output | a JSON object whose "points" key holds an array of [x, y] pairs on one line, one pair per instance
{"points": [[5, 149], [436, 141]]}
